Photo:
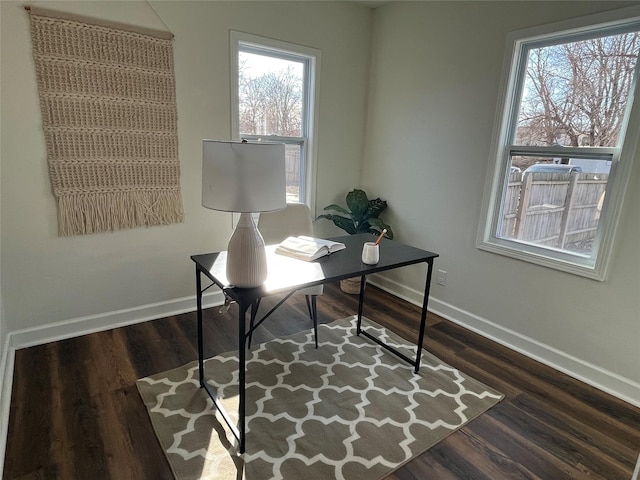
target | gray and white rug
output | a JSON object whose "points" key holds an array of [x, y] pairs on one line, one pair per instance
{"points": [[348, 410]]}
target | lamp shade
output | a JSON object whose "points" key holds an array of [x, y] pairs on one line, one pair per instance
{"points": [[243, 177]]}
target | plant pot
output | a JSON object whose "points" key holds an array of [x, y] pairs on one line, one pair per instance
{"points": [[350, 285]]}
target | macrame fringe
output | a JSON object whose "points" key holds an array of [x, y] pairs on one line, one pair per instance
{"points": [[105, 212]]}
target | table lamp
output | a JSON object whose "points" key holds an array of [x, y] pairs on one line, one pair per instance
{"points": [[245, 178]]}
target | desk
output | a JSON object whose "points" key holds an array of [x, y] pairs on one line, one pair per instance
{"points": [[287, 275]]}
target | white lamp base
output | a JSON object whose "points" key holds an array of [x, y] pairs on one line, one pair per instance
{"points": [[246, 257]]}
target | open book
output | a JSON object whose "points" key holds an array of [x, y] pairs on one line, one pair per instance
{"points": [[308, 248]]}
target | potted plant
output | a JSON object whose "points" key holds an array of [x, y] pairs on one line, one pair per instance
{"points": [[360, 216]]}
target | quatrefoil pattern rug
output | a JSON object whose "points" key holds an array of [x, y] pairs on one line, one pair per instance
{"points": [[347, 410]]}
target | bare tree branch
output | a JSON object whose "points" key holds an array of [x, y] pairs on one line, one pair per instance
{"points": [[576, 93]]}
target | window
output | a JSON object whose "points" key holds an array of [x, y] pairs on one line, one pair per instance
{"points": [[274, 88], [564, 143]]}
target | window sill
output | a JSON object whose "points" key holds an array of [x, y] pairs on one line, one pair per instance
{"points": [[573, 264]]}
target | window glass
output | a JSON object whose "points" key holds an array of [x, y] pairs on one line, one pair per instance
{"points": [[552, 204], [271, 92], [575, 93]]}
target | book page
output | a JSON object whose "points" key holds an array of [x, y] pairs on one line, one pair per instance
{"points": [[330, 244]]}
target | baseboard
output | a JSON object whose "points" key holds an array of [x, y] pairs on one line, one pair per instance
{"points": [[105, 321], [609, 382], [6, 375]]}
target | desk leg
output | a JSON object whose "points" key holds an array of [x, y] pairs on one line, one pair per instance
{"points": [[200, 341], [363, 282], [423, 318], [243, 306]]}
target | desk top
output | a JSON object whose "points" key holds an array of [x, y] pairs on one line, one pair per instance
{"points": [[286, 273]]}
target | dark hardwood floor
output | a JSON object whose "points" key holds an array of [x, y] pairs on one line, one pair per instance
{"points": [[76, 413]]}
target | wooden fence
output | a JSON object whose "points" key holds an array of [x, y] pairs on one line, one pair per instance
{"points": [[553, 209], [292, 165], [292, 172]]}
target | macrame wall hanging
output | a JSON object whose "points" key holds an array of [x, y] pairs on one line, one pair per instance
{"points": [[107, 96]]}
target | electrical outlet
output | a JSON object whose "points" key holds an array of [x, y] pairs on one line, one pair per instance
{"points": [[441, 278]]}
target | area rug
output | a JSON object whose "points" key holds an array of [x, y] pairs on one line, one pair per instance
{"points": [[347, 410]]}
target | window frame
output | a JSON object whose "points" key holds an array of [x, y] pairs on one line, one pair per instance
{"points": [[240, 41], [513, 77]]}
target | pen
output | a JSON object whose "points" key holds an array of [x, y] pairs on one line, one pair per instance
{"points": [[384, 230]]}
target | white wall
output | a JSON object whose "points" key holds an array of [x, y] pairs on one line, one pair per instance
{"points": [[47, 279], [434, 89]]}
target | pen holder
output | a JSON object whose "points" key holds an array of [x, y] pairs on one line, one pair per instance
{"points": [[370, 253]]}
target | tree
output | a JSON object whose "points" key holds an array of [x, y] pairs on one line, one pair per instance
{"points": [[576, 93], [271, 103]]}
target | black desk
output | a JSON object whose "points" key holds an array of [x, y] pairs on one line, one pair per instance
{"points": [[287, 275]]}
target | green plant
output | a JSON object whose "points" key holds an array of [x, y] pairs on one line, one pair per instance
{"points": [[360, 216]]}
